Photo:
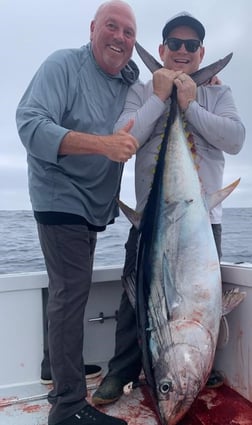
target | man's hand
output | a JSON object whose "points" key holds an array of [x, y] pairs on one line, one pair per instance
{"points": [[215, 81], [186, 90], [163, 80], [121, 145]]}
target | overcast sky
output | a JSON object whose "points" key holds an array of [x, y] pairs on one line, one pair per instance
{"points": [[32, 29]]}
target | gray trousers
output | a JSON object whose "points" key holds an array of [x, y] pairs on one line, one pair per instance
{"points": [[68, 252], [127, 360]]}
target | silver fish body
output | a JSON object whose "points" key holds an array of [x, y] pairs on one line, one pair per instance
{"points": [[179, 295], [177, 290]]}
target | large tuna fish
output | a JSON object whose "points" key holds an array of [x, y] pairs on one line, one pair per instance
{"points": [[178, 281]]}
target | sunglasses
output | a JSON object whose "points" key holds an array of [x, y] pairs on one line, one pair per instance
{"points": [[175, 44]]}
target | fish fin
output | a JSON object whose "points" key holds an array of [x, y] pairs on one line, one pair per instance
{"points": [[217, 197], [133, 216], [172, 297], [149, 60], [204, 75], [231, 299], [129, 284]]}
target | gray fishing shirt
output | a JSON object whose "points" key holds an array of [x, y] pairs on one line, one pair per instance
{"points": [[71, 92], [213, 122]]}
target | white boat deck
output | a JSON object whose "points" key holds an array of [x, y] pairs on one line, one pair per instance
{"points": [[27, 405], [17, 407]]}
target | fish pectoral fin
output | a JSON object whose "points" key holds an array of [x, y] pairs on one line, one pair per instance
{"points": [[217, 197], [231, 299], [129, 284], [133, 216], [172, 297], [177, 210]]}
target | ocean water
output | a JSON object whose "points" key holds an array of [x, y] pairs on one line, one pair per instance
{"points": [[20, 250]]}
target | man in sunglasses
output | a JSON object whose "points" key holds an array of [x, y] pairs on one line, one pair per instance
{"points": [[213, 127]]}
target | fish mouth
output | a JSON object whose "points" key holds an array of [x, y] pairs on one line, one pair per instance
{"points": [[176, 412]]}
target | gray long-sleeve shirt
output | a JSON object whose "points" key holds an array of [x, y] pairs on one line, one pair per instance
{"points": [[212, 120], [71, 92]]}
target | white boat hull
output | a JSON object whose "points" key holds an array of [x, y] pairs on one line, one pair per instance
{"points": [[234, 359]]}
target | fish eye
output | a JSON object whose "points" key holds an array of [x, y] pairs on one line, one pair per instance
{"points": [[165, 387]]}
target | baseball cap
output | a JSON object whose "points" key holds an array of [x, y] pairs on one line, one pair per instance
{"points": [[184, 19]]}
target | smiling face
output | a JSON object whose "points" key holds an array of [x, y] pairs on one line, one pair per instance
{"points": [[182, 60], [113, 35]]}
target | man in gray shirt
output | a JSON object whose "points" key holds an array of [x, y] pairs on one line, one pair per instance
{"points": [[65, 121]]}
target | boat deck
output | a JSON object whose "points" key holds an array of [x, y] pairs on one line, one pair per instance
{"points": [[220, 406]]}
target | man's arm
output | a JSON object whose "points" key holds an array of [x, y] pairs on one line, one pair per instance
{"points": [[221, 125], [118, 147]]}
